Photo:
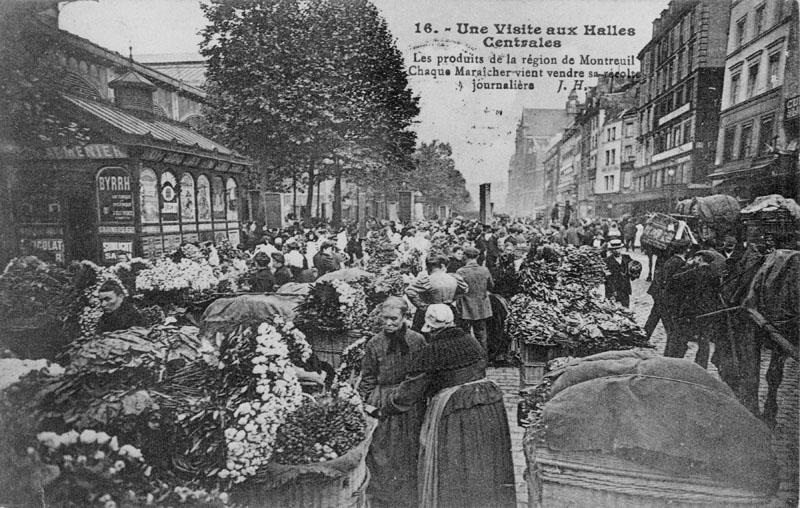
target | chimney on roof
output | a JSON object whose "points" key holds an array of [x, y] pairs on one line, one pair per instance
{"points": [[133, 92]]}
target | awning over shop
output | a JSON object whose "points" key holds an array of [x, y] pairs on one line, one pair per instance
{"points": [[156, 129]]}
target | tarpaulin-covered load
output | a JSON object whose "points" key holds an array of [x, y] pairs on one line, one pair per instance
{"points": [[772, 204], [716, 208], [773, 216], [664, 413], [225, 312]]}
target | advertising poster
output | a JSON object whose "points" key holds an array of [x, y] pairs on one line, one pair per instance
{"points": [[218, 199], [232, 200], [188, 210], [114, 196], [169, 197], [203, 198], [148, 196]]}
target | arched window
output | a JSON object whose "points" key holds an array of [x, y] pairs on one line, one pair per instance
{"points": [[232, 201], [188, 213], [148, 196], [203, 198]]}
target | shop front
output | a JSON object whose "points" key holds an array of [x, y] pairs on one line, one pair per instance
{"points": [[123, 195]]}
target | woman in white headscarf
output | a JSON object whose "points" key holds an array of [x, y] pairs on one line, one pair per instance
{"points": [[465, 444]]}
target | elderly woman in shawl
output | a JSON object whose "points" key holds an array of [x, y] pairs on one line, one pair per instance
{"points": [[465, 445], [392, 457]]}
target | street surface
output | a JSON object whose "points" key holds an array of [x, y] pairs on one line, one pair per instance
{"points": [[785, 441]]}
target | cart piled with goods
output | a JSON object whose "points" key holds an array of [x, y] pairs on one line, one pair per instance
{"points": [[772, 221], [630, 429], [561, 312], [710, 217]]}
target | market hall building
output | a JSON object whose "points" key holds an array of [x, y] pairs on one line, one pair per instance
{"points": [[140, 182]]}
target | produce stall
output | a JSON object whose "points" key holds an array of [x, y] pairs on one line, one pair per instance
{"points": [[629, 429], [173, 413], [560, 311]]}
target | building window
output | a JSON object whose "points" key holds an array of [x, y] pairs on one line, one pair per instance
{"points": [[611, 179], [740, 28], [773, 70], [613, 156], [727, 144], [689, 54], [628, 153], [735, 80], [778, 11], [605, 180], [765, 135], [759, 21], [745, 144], [687, 130], [752, 79]]}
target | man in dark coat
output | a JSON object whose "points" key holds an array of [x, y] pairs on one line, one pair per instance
{"points": [[618, 282], [487, 246], [118, 312], [672, 294], [475, 305]]}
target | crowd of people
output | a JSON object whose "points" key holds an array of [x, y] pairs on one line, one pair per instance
{"points": [[428, 375]]}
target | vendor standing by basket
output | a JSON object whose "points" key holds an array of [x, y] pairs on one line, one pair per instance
{"points": [[392, 457]]}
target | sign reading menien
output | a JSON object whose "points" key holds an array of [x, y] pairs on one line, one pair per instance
{"points": [[114, 195], [94, 151]]}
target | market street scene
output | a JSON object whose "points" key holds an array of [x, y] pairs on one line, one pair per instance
{"points": [[366, 254]]}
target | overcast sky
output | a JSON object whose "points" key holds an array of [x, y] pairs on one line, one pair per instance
{"points": [[482, 138]]}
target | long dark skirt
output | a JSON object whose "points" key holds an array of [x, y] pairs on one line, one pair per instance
{"points": [[475, 464], [392, 460]]}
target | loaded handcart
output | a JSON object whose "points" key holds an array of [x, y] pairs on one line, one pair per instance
{"points": [[631, 429]]}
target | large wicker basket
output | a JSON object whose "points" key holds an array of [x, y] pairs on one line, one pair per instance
{"points": [[329, 345], [301, 487], [568, 479]]}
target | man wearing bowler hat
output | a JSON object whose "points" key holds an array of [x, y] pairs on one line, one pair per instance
{"points": [[618, 282]]}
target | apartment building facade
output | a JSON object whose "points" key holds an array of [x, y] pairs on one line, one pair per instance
{"points": [[682, 69], [754, 156]]}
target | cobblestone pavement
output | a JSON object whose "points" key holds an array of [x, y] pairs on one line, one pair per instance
{"points": [[785, 440]]}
